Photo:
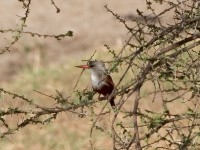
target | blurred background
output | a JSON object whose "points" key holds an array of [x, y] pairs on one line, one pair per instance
{"points": [[47, 64]]}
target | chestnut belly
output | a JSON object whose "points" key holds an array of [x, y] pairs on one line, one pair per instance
{"points": [[103, 89]]}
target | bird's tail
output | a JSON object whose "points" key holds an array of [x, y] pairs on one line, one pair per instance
{"points": [[112, 102]]}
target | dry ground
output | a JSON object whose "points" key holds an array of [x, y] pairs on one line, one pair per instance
{"points": [[47, 64]]}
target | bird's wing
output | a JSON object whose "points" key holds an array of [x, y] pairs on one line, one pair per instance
{"points": [[107, 80]]}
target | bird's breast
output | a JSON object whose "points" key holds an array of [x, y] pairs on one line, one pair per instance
{"points": [[96, 82], [100, 84]]}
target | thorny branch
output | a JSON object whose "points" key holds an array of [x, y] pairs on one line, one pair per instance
{"points": [[159, 72], [17, 33], [21, 28]]}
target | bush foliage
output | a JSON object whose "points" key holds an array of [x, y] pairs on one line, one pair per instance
{"points": [[159, 66]]}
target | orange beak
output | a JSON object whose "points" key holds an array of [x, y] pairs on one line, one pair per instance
{"points": [[83, 66]]}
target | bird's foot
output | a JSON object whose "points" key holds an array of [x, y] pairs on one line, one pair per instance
{"points": [[101, 98]]}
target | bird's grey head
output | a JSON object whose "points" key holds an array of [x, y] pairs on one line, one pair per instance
{"points": [[97, 65]]}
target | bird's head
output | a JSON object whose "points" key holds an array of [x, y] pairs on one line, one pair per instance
{"points": [[94, 65]]}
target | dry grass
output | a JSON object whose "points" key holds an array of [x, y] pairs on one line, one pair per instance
{"points": [[68, 131]]}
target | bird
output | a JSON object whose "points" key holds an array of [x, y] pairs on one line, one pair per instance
{"points": [[102, 82]]}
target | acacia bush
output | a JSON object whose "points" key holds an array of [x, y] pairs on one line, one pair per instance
{"points": [[159, 66]]}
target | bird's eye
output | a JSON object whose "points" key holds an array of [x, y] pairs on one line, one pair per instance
{"points": [[91, 66]]}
